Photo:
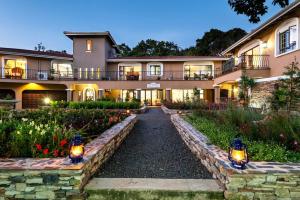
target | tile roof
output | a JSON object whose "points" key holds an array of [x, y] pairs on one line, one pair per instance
{"points": [[33, 53]]}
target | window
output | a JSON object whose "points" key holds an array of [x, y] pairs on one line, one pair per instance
{"points": [[62, 69], [198, 72], [15, 68], [287, 37], [89, 45], [89, 94], [155, 69]]}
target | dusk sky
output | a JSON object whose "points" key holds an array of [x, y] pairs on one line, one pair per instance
{"points": [[24, 23]]}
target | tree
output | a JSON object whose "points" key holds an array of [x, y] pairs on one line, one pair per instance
{"points": [[155, 48], [246, 84], [214, 42], [287, 92], [124, 49], [254, 9], [40, 47]]}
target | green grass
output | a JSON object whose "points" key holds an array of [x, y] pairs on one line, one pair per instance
{"points": [[221, 135]]}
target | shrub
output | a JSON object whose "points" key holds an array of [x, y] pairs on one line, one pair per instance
{"points": [[104, 105], [222, 134]]}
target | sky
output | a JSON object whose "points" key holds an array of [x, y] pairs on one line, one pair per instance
{"points": [[25, 23]]}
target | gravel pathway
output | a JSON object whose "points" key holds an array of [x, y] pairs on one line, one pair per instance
{"points": [[153, 149]]}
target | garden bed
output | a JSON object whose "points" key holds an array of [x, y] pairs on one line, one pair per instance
{"points": [[261, 180], [58, 178], [47, 132]]}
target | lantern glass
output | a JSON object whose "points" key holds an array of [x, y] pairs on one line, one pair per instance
{"points": [[76, 149], [238, 154]]}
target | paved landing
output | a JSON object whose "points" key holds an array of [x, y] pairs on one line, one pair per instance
{"points": [[154, 149], [153, 189]]}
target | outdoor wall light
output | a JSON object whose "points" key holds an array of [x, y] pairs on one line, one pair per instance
{"points": [[264, 45], [238, 154], [76, 149], [128, 111], [47, 101]]}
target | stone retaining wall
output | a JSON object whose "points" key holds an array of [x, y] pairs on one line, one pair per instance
{"points": [[57, 178], [261, 180]]}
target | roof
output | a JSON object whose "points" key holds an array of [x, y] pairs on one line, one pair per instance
{"points": [[107, 34], [38, 54], [166, 58], [269, 22]]}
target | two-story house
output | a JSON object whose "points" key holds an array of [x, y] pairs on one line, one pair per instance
{"points": [[263, 55], [95, 70]]}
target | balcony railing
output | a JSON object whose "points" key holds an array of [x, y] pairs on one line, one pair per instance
{"points": [[245, 62], [91, 74]]}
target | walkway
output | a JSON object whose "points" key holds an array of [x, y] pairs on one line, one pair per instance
{"points": [[154, 149]]}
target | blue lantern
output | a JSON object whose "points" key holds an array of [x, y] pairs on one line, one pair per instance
{"points": [[76, 149], [238, 154]]}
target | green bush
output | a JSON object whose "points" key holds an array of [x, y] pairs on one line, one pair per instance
{"points": [[104, 105], [222, 134]]}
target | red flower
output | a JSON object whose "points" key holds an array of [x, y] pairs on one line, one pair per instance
{"points": [[46, 151], [63, 142], [62, 153], [39, 147], [55, 153]]}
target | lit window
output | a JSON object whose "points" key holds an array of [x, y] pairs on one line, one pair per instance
{"points": [[155, 69], [89, 94], [89, 45]]}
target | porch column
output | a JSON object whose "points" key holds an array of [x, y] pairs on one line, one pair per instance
{"points": [[18, 95], [69, 95], [100, 93], [217, 93], [138, 94], [168, 94]]}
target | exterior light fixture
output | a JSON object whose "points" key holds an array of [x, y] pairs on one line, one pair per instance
{"points": [[47, 101], [238, 154], [76, 149], [264, 45], [128, 111]]}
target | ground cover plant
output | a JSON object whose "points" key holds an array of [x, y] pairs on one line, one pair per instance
{"points": [[47, 132], [269, 138]]}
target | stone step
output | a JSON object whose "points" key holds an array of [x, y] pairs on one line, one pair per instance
{"points": [[153, 189]]}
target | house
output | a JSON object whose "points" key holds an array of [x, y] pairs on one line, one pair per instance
{"points": [[95, 70], [263, 55]]}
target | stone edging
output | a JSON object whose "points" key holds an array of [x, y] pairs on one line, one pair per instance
{"points": [[57, 178], [261, 180]]}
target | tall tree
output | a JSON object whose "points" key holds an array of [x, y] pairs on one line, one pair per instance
{"points": [[124, 49], [254, 9], [215, 41], [155, 48]]}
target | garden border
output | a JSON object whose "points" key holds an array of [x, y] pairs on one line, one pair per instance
{"points": [[261, 180], [58, 178]]}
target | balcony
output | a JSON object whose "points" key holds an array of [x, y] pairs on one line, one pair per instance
{"points": [[91, 74], [245, 62]]}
